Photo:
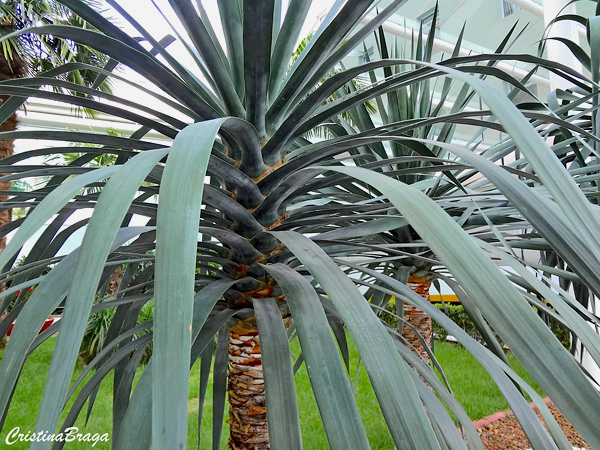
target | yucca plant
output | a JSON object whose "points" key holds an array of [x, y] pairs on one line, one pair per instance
{"points": [[285, 220], [413, 111]]}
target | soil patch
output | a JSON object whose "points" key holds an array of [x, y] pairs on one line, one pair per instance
{"points": [[501, 431]]}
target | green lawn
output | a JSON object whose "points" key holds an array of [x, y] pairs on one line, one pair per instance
{"points": [[471, 385]]}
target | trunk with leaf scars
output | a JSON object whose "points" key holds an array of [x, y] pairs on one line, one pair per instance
{"points": [[8, 69], [246, 388], [417, 318], [114, 281]]}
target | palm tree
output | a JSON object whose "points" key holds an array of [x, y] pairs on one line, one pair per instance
{"points": [[31, 55], [284, 218], [8, 69], [43, 53]]}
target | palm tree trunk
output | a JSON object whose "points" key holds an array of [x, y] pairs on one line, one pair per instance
{"points": [[114, 281], [417, 318], [246, 387], [8, 70], [14, 68]]}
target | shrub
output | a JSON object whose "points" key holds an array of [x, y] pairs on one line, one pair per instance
{"points": [[97, 326]]}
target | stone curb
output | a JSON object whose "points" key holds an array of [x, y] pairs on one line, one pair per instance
{"points": [[499, 415]]}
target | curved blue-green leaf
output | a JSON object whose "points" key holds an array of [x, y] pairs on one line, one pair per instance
{"points": [[574, 320], [280, 390], [97, 378], [534, 430], [176, 239], [44, 299], [49, 206], [112, 206], [393, 386], [329, 381], [257, 35], [211, 51], [544, 215], [547, 166], [285, 42], [231, 18], [137, 422], [220, 385], [205, 363], [133, 55], [514, 320]]}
